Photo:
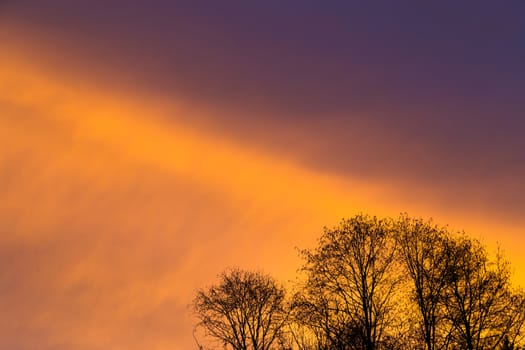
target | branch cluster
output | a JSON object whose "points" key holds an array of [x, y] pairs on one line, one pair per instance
{"points": [[373, 284]]}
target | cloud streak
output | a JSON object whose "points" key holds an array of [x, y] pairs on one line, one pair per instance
{"points": [[146, 150], [111, 220]]}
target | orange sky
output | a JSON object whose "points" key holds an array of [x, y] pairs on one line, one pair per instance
{"points": [[115, 208]]}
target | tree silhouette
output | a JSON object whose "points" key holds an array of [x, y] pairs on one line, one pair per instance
{"points": [[424, 251], [246, 310], [481, 308], [465, 300], [374, 284], [351, 282]]}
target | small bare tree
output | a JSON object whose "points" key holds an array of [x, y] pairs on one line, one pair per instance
{"points": [[245, 311]]}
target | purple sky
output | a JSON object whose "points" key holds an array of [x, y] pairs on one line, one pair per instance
{"points": [[425, 93]]}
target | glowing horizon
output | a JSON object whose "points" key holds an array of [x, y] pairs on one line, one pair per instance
{"points": [[118, 202]]}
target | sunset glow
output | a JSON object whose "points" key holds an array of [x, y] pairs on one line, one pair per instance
{"points": [[119, 201]]}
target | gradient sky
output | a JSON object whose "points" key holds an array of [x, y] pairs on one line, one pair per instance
{"points": [[147, 146]]}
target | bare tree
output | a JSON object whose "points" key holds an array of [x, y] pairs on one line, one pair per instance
{"points": [[425, 255], [482, 309], [374, 284], [351, 283], [245, 311]]}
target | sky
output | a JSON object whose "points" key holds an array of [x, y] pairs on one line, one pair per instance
{"points": [[147, 146]]}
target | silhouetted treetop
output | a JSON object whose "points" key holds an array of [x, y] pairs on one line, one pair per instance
{"points": [[374, 284], [246, 310]]}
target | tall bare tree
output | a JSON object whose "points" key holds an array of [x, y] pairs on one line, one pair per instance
{"points": [[245, 311], [351, 283], [424, 250]]}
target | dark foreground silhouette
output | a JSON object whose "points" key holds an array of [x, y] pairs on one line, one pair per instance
{"points": [[373, 284]]}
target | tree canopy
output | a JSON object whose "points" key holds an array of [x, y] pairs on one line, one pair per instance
{"points": [[246, 310], [374, 284]]}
